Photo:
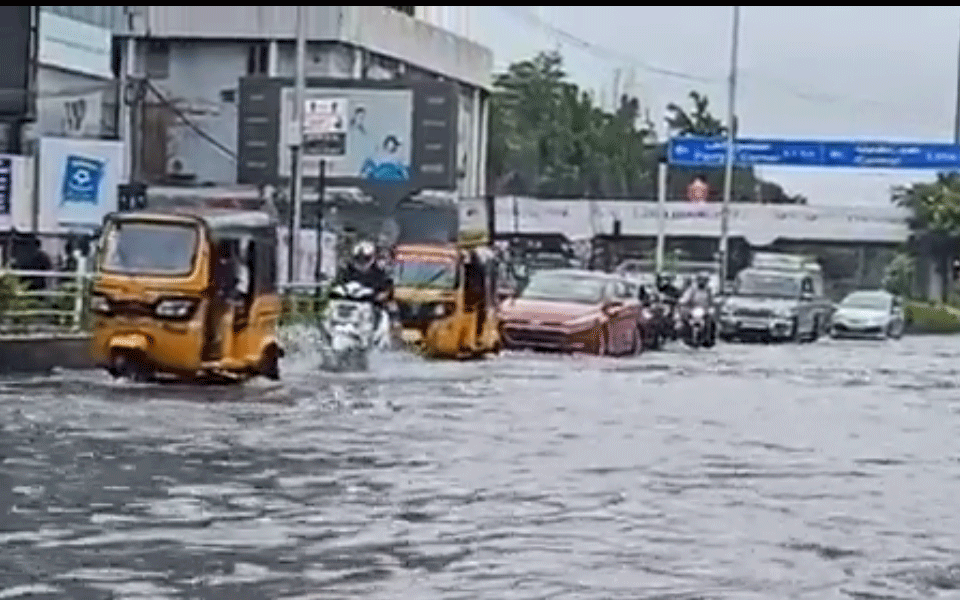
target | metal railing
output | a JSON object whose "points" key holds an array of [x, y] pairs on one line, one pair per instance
{"points": [[58, 306], [302, 302], [61, 306]]}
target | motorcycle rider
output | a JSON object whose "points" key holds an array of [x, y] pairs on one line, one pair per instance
{"points": [[666, 288], [362, 268], [700, 294]]}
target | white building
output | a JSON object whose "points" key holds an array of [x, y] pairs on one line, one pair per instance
{"points": [[193, 57]]}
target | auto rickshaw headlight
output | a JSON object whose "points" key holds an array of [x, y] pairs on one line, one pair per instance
{"points": [[175, 308], [442, 309], [100, 304]]}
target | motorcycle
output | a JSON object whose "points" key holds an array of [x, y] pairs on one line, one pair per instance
{"points": [[698, 328], [350, 328]]}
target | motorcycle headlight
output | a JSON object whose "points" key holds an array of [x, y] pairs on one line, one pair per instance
{"points": [[698, 313], [100, 304], [175, 308]]}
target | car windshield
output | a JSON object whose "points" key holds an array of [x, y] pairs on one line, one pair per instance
{"points": [[419, 272], [150, 248], [548, 286], [868, 300], [767, 284]]}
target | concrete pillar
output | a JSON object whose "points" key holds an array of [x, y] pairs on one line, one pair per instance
{"points": [[273, 59], [484, 107]]}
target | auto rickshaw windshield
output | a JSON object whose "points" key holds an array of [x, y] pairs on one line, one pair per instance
{"points": [[150, 248], [421, 272]]}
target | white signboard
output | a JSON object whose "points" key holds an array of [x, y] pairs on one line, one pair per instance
{"points": [[323, 116], [74, 45], [325, 126]]}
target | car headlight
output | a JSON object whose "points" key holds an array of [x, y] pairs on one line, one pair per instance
{"points": [[647, 314], [785, 313], [100, 304], [175, 308]]}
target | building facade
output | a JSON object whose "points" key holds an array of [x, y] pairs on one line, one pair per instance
{"points": [[75, 80], [192, 58]]}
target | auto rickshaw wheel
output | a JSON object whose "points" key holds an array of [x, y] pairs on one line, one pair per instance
{"points": [[270, 363], [129, 364]]}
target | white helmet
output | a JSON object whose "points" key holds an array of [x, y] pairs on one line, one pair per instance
{"points": [[364, 254]]}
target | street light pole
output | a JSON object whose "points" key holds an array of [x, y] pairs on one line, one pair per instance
{"points": [[728, 166], [296, 146]]}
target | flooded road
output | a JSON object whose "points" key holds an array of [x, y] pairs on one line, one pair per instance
{"points": [[819, 471]]}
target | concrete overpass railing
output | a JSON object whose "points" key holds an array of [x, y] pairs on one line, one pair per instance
{"points": [[759, 224]]}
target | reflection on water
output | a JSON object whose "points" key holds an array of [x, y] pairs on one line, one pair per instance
{"points": [[818, 471]]}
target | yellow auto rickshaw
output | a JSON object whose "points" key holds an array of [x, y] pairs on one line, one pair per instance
{"points": [[445, 299], [189, 292]]}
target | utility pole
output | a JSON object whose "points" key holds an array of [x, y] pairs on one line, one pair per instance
{"points": [[728, 167], [296, 147], [662, 181], [128, 97]]}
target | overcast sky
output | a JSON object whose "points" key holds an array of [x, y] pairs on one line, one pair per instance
{"points": [[867, 73]]}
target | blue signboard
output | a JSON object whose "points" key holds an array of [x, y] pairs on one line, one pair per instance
{"points": [[81, 180], [711, 152]]}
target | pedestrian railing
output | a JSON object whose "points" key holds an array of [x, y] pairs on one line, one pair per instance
{"points": [[57, 306], [302, 302], [61, 305]]}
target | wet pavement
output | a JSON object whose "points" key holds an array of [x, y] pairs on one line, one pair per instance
{"points": [[817, 471]]}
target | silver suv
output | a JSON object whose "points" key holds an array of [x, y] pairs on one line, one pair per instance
{"points": [[776, 305]]}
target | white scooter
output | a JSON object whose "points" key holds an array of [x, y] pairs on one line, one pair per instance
{"points": [[351, 328]]}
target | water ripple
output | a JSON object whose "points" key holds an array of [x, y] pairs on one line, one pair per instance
{"points": [[825, 470]]}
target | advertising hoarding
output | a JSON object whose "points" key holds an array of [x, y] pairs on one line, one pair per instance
{"points": [[377, 135], [400, 135], [78, 181]]}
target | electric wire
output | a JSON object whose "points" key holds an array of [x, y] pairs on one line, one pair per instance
{"points": [[747, 75]]}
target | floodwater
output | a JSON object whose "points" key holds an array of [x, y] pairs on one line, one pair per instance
{"points": [[817, 471]]}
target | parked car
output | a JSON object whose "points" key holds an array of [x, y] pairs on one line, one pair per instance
{"points": [[868, 313], [573, 310]]}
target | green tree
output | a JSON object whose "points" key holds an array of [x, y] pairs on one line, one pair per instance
{"points": [[697, 122], [935, 220], [548, 138]]}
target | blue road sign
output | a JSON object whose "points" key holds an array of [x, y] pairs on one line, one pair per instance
{"points": [[711, 152]]}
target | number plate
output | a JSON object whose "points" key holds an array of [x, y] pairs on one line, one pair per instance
{"points": [[753, 324]]}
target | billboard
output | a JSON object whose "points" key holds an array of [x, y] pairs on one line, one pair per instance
{"points": [[377, 135], [78, 181], [16, 47]]}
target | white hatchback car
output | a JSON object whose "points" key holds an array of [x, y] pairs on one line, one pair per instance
{"points": [[868, 313]]}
